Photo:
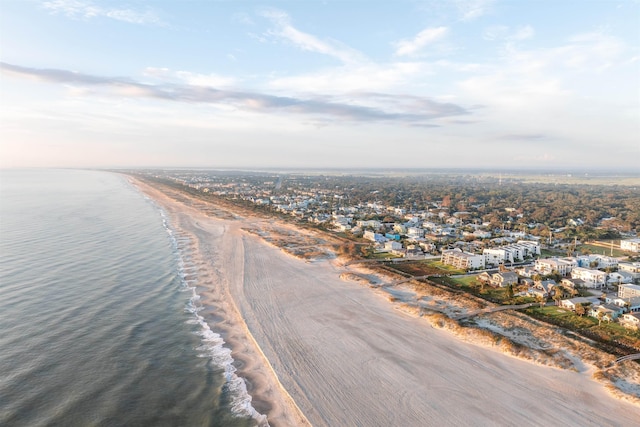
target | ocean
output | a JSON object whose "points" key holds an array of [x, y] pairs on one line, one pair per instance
{"points": [[99, 322]]}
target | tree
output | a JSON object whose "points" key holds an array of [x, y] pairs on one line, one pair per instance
{"points": [[599, 315], [510, 291], [557, 296], [580, 310]]}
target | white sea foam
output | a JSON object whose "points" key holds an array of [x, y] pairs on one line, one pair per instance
{"points": [[212, 346]]}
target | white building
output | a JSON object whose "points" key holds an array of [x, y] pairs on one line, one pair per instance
{"points": [[592, 278], [558, 265], [462, 260], [373, 236], [628, 291], [632, 245], [511, 253], [370, 223], [631, 268], [392, 245], [415, 232], [596, 261]]}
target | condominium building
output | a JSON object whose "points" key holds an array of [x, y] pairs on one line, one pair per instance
{"points": [[462, 260]]}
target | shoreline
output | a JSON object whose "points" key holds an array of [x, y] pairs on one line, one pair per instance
{"points": [[279, 385], [269, 398]]}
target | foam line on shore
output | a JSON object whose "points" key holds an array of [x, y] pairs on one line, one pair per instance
{"points": [[213, 345]]}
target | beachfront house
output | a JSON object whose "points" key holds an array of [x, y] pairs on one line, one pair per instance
{"points": [[606, 312], [504, 279], [592, 278], [571, 303], [630, 321]]}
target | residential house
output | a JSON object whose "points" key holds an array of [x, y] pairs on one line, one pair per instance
{"points": [[414, 251], [609, 312], [504, 279], [555, 265], [596, 261], [571, 303], [415, 232], [629, 304], [526, 271], [373, 236], [618, 277], [537, 293], [592, 278], [631, 268], [484, 277], [392, 245], [545, 288], [572, 283], [630, 320]]}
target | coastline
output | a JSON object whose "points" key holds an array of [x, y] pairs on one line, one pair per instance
{"points": [[269, 398], [298, 331]]}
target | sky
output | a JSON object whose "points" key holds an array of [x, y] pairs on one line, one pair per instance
{"points": [[339, 83]]}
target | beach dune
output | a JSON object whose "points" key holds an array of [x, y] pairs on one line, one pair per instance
{"points": [[318, 350]]}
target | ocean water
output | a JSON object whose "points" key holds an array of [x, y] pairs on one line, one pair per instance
{"points": [[99, 321]]}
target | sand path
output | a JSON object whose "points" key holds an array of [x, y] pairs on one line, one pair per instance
{"points": [[347, 358]]}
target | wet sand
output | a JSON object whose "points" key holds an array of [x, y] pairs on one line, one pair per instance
{"points": [[317, 349]]}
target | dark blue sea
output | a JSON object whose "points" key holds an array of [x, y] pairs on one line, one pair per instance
{"points": [[99, 321]]}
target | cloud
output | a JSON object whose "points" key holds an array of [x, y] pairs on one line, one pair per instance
{"points": [[194, 79], [401, 109], [472, 9], [502, 32], [422, 39], [355, 78], [308, 42], [78, 9], [523, 137]]}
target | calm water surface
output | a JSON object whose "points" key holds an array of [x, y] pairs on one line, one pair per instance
{"points": [[97, 324]]}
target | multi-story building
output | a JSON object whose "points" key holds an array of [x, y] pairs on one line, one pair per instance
{"points": [[592, 278], [559, 265], [462, 260], [632, 245], [628, 291], [631, 268], [596, 261], [511, 253]]}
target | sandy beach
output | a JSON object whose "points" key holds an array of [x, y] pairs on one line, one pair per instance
{"points": [[319, 350]]}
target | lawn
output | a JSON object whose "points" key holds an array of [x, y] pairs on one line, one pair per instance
{"points": [[425, 268], [382, 255], [606, 250], [560, 316]]}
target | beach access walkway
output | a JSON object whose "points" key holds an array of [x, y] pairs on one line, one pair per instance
{"points": [[634, 356]]}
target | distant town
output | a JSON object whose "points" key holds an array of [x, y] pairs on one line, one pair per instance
{"points": [[572, 245]]}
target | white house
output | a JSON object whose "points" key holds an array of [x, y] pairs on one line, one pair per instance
{"points": [[392, 245], [632, 268], [373, 236], [558, 265], [415, 232], [619, 277], [370, 223], [597, 261], [573, 302], [592, 278], [631, 304], [630, 320]]}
